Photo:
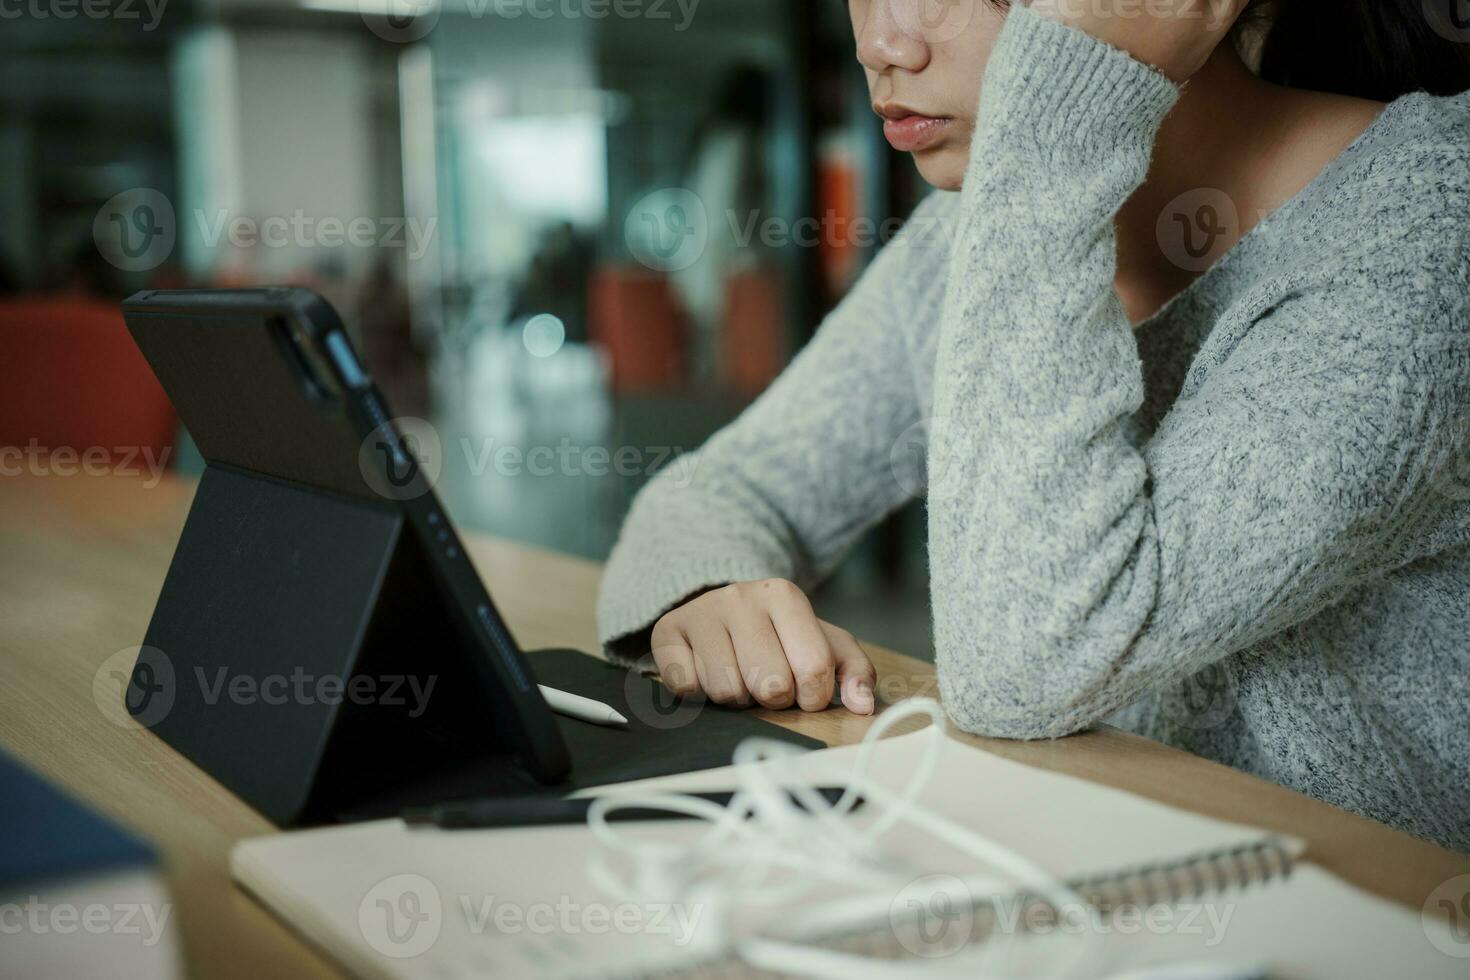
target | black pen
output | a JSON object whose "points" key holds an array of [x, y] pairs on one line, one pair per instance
{"points": [[544, 811]]}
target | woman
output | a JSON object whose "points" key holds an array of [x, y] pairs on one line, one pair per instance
{"points": [[1191, 364]]}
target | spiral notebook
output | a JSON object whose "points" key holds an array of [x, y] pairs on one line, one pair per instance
{"points": [[389, 901]]}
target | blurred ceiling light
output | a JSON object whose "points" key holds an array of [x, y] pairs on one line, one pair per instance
{"points": [[544, 334]]}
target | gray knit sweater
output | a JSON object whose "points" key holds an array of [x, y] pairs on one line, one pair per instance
{"points": [[1242, 528]]}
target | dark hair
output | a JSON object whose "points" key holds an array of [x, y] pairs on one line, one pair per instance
{"points": [[1373, 49]]}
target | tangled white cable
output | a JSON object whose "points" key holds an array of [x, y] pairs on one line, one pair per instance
{"points": [[779, 840]]}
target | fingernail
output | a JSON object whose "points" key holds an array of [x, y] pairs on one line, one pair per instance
{"points": [[861, 700]]}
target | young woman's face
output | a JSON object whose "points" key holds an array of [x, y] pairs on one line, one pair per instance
{"points": [[924, 60]]}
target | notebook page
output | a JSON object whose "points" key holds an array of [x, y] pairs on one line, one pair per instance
{"points": [[391, 901]]}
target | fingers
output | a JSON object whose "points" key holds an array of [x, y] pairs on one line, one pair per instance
{"points": [[804, 642], [695, 656], [674, 657], [715, 664], [760, 657], [856, 676], [761, 642]]}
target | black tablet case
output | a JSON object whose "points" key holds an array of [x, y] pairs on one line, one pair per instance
{"points": [[274, 577]]}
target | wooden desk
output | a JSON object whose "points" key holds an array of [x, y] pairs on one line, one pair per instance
{"points": [[82, 560]]}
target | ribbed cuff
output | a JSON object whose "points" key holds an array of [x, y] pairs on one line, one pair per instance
{"points": [[1054, 87]]}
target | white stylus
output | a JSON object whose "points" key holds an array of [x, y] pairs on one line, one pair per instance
{"points": [[585, 709]]}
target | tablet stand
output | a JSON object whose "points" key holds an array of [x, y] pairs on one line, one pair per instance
{"points": [[299, 652]]}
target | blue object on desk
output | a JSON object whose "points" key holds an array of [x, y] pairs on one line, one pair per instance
{"points": [[46, 835]]}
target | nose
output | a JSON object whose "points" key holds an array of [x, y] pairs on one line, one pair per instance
{"points": [[884, 44]]}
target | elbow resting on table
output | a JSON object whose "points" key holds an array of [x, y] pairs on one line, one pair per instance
{"points": [[1024, 696]]}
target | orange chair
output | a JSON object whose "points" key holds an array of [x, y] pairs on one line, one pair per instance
{"points": [[636, 317], [71, 376], [753, 334]]}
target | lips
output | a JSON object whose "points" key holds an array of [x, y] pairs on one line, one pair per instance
{"points": [[909, 131]]}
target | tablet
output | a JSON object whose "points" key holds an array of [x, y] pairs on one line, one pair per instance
{"points": [[316, 556]]}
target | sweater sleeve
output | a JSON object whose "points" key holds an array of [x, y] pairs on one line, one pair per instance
{"points": [[1082, 567], [783, 491]]}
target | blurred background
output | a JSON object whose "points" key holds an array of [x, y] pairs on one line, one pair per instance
{"points": [[574, 236]]}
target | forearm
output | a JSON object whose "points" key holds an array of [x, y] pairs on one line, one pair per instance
{"points": [[685, 534], [1084, 566], [1047, 567], [785, 490]]}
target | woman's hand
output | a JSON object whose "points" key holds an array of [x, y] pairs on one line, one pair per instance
{"points": [[1175, 36], [761, 643]]}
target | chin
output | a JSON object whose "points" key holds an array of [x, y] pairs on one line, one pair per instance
{"points": [[943, 169]]}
